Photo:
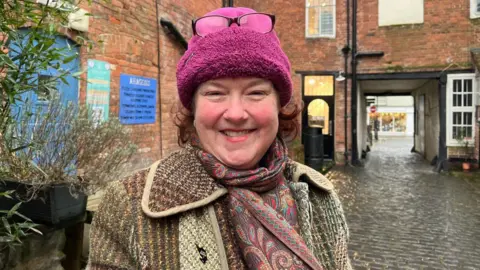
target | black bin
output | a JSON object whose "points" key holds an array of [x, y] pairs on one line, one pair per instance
{"points": [[313, 147], [55, 206]]}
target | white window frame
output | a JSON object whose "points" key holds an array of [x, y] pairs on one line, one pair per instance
{"points": [[474, 11], [450, 109], [334, 23]]}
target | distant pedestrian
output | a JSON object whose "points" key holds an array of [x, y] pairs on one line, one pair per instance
{"points": [[376, 125], [231, 199]]}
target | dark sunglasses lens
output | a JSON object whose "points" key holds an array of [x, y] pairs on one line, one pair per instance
{"points": [[259, 22], [211, 24]]}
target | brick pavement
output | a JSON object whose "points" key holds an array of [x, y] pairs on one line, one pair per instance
{"points": [[402, 215]]}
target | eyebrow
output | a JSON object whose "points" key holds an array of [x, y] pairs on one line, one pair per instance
{"points": [[248, 85], [216, 84], [258, 82]]}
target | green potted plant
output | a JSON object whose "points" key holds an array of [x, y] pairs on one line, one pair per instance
{"points": [[47, 172], [57, 156], [467, 148], [53, 155], [13, 228]]}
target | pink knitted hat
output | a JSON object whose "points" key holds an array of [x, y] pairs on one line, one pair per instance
{"points": [[233, 52]]}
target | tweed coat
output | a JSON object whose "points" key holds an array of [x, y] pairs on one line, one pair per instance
{"points": [[173, 215]]}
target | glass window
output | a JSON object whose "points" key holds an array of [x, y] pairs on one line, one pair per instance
{"points": [[318, 115], [318, 85], [320, 18], [390, 122], [400, 122], [386, 122], [474, 9], [461, 92]]}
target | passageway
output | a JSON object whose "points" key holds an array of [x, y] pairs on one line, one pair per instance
{"points": [[401, 214]]}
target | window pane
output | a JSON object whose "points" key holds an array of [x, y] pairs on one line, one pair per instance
{"points": [[467, 100], [318, 114], [386, 122], [467, 86], [468, 132], [457, 85], [478, 5], [318, 85], [457, 118], [313, 21], [326, 20], [467, 118], [457, 100], [455, 132], [400, 122]]}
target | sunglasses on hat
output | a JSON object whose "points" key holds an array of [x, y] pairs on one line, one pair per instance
{"points": [[260, 22]]}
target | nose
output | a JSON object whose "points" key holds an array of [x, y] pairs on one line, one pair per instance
{"points": [[236, 111]]}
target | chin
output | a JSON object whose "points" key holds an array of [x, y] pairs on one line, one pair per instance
{"points": [[241, 164]]}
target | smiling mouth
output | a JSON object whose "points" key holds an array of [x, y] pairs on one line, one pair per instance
{"points": [[230, 133]]}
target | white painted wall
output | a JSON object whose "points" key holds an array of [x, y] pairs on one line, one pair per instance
{"points": [[431, 119], [361, 122], [396, 12]]}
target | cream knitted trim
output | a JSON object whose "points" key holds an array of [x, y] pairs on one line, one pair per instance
{"points": [[218, 238], [313, 177]]}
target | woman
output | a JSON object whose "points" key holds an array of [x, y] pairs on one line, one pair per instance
{"points": [[231, 198]]}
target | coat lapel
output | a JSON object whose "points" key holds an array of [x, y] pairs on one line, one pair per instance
{"points": [[178, 184]]}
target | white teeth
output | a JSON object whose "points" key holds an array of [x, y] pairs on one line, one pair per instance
{"points": [[236, 133]]}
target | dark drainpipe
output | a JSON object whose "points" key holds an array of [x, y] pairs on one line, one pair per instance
{"points": [[355, 56], [346, 50], [353, 111]]}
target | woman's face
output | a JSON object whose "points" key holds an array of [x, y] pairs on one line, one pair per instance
{"points": [[236, 119]]}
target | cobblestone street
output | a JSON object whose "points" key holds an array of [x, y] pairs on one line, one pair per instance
{"points": [[402, 215]]}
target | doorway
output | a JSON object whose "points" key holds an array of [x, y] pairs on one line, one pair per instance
{"points": [[319, 98]]}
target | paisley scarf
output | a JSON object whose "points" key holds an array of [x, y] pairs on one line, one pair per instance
{"points": [[263, 211]]}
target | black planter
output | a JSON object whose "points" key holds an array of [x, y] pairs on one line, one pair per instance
{"points": [[54, 206]]}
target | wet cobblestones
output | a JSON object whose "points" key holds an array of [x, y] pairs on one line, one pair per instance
{"points": [[402, 215]]}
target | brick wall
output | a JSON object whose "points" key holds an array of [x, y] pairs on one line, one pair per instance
{"points": [[128, 31], [128, 36], [445, 37], [442, 41], [181, 14], [310, 54]]}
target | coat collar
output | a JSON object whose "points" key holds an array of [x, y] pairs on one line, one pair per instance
{"points": [[179, 183]]}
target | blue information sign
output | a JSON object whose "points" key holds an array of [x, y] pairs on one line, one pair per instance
{"points": [[138, 99]]}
